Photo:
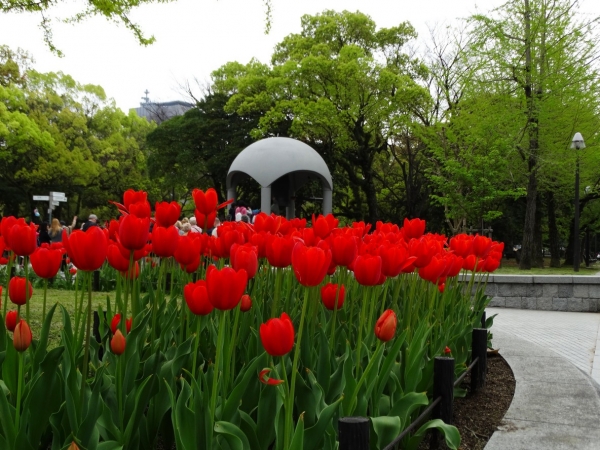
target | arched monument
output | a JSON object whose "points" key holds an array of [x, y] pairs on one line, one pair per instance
{"points": [[281, 166]]}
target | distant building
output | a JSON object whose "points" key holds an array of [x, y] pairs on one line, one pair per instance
{"points": [[160, 111]]}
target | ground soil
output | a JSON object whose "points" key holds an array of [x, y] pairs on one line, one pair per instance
{"points": [[478, 415]]}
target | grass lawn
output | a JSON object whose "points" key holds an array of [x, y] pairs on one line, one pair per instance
{"points": [[510, 267], [66, 299]]}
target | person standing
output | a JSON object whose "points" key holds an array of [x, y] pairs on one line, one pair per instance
{"points": [[91, 222]]}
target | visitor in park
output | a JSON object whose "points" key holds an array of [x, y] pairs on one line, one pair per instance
{"points": [[91, 222], [194, 225], [55, 231], [185, 229], [213, 231], [43, 236], [274, 206], [245, 218]]}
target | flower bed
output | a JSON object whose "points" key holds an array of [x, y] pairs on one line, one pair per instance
{"points": [[270, 333]]}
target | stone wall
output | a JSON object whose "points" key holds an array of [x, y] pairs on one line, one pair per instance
{"points": [[545, 292]]}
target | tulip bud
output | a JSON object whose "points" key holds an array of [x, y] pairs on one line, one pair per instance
{"points": [[246, 303], [117, 343], [73, 446], [22, 336], [11, 320], [385, 328], [447, 350]]}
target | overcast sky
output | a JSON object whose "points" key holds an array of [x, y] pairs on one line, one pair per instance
{"points": [[195, 37]]}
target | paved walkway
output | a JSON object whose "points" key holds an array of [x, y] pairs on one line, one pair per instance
{"points": [[556, 403]]}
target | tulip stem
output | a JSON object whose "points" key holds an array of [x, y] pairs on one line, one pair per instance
{"points": [[86, 353], [161, 272], [19, 393], [26, 266], [275, 305], [213, 397], [335, 310], [120, 389], [197, 344], [8, 271], [361, 323], [287, 403], [289, 411], [234, 338], [44, 306]]}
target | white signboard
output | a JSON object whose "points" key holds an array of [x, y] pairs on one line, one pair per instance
{"points": [[41, 198]]}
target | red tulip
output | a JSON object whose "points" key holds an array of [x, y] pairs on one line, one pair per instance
{"points": [[225, 287], [385, 328], [23, 238], [134, 232], [462, 244], [413, 229], [11, 320], [329, 295], [22, 336], [116, 258], [262, 377], [46, 261], [6, 226], [434, 270], [277, 335], [166, 214], [189, 248], [481, 246], [279, 251], [344, 249], [116, 320], [16, 290], [118, 343], [394, 259], [259, 240], [310, 264], [113, 230], [140, 209], [264, 223], [206, 202], [196, 297], [367, 269], [73, 270], [244, 257], [3, 247], [245, 303], [447, 350], [87, 249], [324, 225], [164, 241], [490, 264], [205, 221], [130, 196]]}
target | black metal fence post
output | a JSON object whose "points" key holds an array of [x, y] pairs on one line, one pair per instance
{"points": [[353, 433], [96, 281], [479, 350], [443, 386]]}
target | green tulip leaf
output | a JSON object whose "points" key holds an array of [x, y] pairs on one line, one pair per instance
{"points": [[407, 404], [451, 434], [42, 345], [235, 438], [387, 428], [233, 401], [109, 445], [6, 420], [298, 438], [314, 435]]}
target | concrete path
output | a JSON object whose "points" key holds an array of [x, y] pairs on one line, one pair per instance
{"points": [[575, 336], [556, 403]]}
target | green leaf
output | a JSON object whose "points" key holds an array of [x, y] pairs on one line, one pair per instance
{"points": [[450, 432], [314, 435], [109, 445], [235, 438], [233, 401], [386, 429], [407, 404], [7, 420], [298, 439]]}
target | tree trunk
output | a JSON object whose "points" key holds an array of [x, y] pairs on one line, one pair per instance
{"points": [[371, 194], [553, 230], [528, 244], [538, 249]]}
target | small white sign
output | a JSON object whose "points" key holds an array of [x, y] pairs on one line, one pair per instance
{"points": [[53, 203], [59, 197], [41, 198]]}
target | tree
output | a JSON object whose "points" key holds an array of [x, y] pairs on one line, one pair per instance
{"points": [[539, 56], [197, 149], [342, 86]]}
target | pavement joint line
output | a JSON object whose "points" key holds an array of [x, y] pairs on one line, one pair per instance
{"points": [[545, 423]]}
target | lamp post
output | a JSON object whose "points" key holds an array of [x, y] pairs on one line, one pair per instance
{"points": [[578, 144]]}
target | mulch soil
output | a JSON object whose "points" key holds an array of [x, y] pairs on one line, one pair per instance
{"points": [[478, 415]]}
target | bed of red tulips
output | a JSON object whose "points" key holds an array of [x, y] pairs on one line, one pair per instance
{"points": [[260, 338]]}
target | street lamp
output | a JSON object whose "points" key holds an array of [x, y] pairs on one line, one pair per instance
{"points": [[578, 144]]}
